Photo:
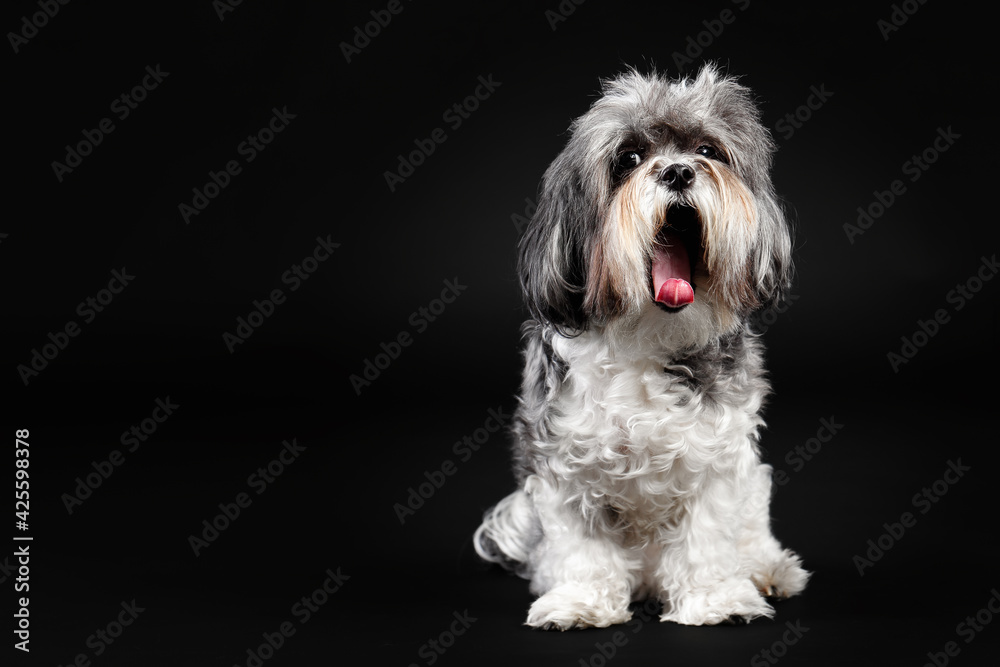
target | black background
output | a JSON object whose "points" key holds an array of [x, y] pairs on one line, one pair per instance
{"points": [[454, 218]]}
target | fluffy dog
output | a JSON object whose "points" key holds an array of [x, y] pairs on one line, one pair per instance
{"points": [[657, 236]]}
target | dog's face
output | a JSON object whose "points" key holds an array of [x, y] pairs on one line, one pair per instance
{"points": [[662, 199]]}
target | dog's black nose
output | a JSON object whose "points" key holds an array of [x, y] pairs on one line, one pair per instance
{"points": [[677, 176]]}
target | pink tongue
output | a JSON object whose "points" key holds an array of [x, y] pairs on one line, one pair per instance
{"points": [[672, 271]]}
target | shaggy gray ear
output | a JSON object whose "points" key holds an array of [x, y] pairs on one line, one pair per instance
{"points": [[552, 258], [773, 269]]}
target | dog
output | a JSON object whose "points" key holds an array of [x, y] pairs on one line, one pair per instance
{"points": [[657, 237]]}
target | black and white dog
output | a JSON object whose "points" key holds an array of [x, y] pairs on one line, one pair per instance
{"points": [[657, 236]]}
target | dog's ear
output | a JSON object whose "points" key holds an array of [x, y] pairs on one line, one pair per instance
{"points": [[552, 251], [772, 261], [771, 254]]}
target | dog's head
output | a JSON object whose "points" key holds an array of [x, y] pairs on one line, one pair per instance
{"points": [[661, 201]]}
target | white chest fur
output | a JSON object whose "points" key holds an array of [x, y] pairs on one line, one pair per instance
{"points": [[638, 434]]}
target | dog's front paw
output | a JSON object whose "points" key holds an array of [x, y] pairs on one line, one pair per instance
{"points": [[782, 579], [730, 601], [576, 606]]}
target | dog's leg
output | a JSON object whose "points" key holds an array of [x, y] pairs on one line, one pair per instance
{"points": [[701, 576], [584, 578], [776, 572]]}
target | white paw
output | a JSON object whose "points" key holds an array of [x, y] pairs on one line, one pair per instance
{"points": [[782, 579], [730, 601], [575, 606]]}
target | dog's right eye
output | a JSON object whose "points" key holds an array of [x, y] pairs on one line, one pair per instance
{"points": [[626, 161]]}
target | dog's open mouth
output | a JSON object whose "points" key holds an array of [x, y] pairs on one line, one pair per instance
{"points": [[676, 249]]}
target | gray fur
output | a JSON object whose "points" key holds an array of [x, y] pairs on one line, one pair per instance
{"points": [[652, 111]]}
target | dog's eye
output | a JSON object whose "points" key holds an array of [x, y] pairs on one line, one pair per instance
{"points": [[708, 151], [627, 161]]}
